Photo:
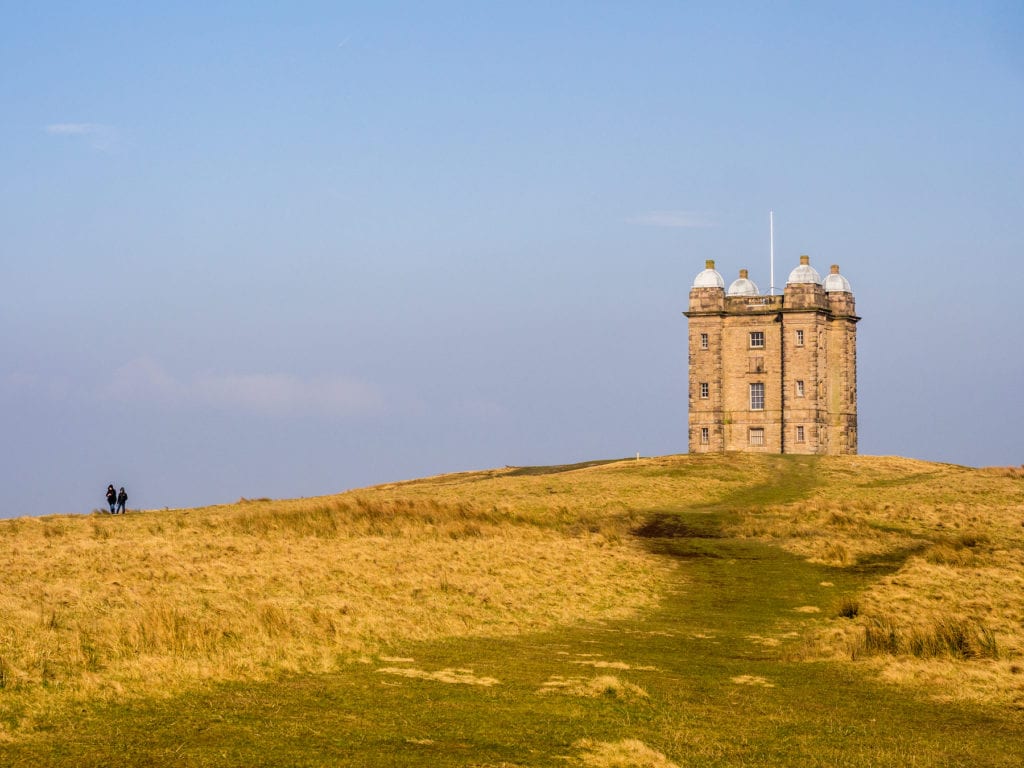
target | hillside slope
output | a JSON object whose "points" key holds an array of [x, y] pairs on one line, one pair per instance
{"points": [[154, 602]]}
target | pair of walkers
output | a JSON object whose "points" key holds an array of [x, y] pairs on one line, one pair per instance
{"points": [[116, 500]]}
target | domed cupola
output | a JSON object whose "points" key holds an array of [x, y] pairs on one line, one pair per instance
{"points": [[805, 273], [709, 278], [743, 286], [834, 282]]}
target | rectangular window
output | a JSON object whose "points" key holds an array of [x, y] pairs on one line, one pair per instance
{"points": [[757, 435], [799, 434], [757, 397], [757, 339], [799, 338], [703, 341], [755, 364], [705, 390], [799, 389], [705, 436]]}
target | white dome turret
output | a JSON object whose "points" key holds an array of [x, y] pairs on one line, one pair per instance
{"points": [[743, 286], [709, 278], [834, 282], [805, 273]]}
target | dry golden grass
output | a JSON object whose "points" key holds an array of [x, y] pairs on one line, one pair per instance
{"points": [[602, 664], [952, 618], [447, 675], [628, 753], [756, 680], [1015, 472], [150, 602], [613, 495], [608, 686]]}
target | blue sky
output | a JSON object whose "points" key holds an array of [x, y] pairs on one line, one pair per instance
{"points": [[288, 249]]}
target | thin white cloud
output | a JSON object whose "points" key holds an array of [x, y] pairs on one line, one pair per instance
{"points": [[273, 394], [677, 219], [72, 129], [102, 137]]}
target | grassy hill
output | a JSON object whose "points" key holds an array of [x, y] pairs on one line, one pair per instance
{"points": [[687, 610]]}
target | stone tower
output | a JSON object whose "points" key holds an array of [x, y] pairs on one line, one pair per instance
{"points": [[773, 374]]}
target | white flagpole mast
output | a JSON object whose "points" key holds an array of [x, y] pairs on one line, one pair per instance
{"points": [[771, 251]]}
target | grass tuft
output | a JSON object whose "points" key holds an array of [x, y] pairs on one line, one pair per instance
{"points": [[602, 686], [848, 608], [955, 638], [627, 753]]}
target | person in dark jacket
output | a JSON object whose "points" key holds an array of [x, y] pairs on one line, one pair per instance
{"points": [[111, 498], [122, 497]]}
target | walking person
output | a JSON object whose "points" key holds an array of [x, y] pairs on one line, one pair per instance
{"points": [[122, 497], [111, 498]]}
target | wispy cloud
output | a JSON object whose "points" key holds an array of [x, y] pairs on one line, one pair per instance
{"points": [[19, 384], [71, 129], [678, 219], [100, 136], [273, 394]]}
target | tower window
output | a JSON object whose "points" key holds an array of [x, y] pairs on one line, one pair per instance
{"points": [[757, 435], [799, 338], [705, 435], [799, 390], [757, 397], [800, 434], [757, 339], [705, 390], [703, 341]]}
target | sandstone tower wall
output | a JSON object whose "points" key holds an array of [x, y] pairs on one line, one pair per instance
{"points": [[773, 374]]}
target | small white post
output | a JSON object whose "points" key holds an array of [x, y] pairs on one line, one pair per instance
{"points": [[638, 455], [771, 251]]}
